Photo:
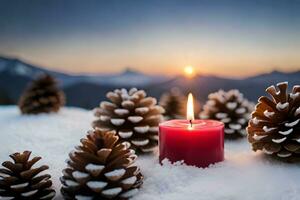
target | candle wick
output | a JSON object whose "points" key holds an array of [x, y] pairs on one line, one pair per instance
{"points": [[191, 123]]}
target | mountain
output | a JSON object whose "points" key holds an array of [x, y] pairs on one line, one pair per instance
{"points": [[15, 74], [18, 68], [88, 90], [127, 78]]}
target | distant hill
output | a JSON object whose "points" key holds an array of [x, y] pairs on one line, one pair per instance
{"points": [[88, 90]]}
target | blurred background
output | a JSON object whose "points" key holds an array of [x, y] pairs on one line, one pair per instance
{"points": [[200, 46]]}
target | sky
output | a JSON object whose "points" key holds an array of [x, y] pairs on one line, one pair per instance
{"points": [[221, 37]]}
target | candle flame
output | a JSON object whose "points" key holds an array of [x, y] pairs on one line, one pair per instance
{"points": [[190, 108]]}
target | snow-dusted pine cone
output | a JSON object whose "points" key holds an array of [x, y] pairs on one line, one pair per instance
{"points": [[174, 103], [275, 124], [133, 116], [231, 108], [20, 181], [42, 96], [101, 168]]}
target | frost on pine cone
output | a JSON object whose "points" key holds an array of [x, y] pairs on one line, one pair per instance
{"points": [[133, 116], [274, 127], [20, 181], [231, 108], [173, 103], [42, 96], [101, 168]]}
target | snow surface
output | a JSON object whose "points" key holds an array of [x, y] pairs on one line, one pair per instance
{"points": [[243, 175]]}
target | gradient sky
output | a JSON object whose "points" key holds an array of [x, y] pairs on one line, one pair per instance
{"points": [[223, 37]]}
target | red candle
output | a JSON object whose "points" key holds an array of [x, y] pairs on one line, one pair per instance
{"points": [[196, 142]]}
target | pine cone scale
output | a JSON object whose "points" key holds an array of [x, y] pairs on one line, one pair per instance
{"points": [[230, 108], [24, 183], [13, 166], [41, 96], [29, 174], [38, 179], [130, 114], [293, 147], [112, 178], [277, 118]]}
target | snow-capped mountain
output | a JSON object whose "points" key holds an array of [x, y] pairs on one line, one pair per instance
{"points": [[15, 74], [15, 68], [129, 77], [126, 78]]}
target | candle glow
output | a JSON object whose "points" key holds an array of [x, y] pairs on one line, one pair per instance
{"points": [[190, 108], [190, 111]]}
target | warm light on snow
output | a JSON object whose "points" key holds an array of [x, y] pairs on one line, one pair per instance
{"points": [[243, 175]]}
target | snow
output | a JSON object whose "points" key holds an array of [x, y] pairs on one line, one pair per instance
{"points": [[280, 140], [267, 129], [268, 114], [117, 122], [240, 110], [94, 169], [231, 105], [281, 106], [292, 124], [129, 181], [79, 175], [126, 134], [22, 69], [129, 193], [228, 131], [287, 132], [259, 137], [141, 110], [115, 174], [293, 96], [221, 115], [297, 112], [121, 111], [135, 119], [235, 126], [97, 186], [112, 192], [243, 175], [30, 193], [140, 142], [141, 129]]}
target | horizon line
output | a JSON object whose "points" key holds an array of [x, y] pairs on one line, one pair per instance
{"points": [[134, 69]]}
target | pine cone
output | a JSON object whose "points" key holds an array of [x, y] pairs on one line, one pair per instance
{"points": [[101, 168], [274, 127], [19, 181], [42, 96], [133, 116], [174, 103], [231, 108]]}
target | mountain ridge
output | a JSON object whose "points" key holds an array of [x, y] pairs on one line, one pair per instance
{"points": [[88, 90]]}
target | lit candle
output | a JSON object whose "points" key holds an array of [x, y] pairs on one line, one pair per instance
{"points": [[196, 142]]}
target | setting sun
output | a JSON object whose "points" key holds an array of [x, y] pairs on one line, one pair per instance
{"points": [[189, 71]]}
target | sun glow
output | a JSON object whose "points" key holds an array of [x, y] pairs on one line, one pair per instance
{"points": [[189, 71]]}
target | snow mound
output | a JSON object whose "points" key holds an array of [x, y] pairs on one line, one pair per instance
{"points": [[243, 175]]}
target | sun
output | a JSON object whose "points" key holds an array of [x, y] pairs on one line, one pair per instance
{"points": [[189, 71]]}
